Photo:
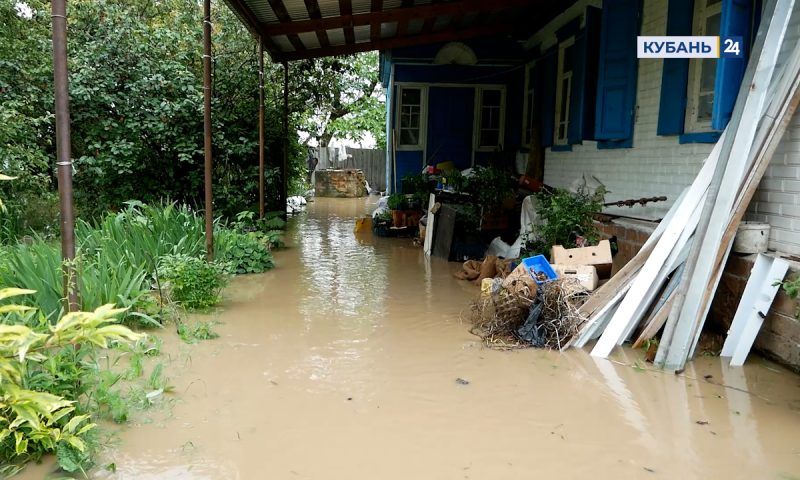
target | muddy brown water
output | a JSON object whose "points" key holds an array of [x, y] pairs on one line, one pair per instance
{"points": [[342, 363]]}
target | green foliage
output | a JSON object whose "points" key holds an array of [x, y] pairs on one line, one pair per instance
{"points": [[243, 252], [564, 216], [397, 201], [140, 234], [136, 104], [344, 94], [197, 332], [36, 267], [490, 186], [419, 186], [35, 422], [268, 228], [193, 282], [792, 289]]}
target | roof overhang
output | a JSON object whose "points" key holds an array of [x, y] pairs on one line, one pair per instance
{"points": [[301, 29]]}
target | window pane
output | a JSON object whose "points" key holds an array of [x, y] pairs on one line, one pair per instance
{"points": [[489, 138], [411, 96], [564, 97], [708, 74], [409, 136], [567, 66], [704, 107], [712, 24]]}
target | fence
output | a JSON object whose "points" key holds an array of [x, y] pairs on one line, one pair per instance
{"points": [[370, 161]]}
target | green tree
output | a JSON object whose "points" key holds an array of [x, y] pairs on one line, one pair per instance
{"points": [[345, 98]]}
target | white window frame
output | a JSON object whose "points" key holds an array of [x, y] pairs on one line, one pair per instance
{"points": [[693, 92], [423, 118], [528, 103], [476, 131], [562, 118]]}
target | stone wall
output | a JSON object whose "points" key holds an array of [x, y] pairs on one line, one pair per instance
{"points": [[779, 338], [348, 183]]}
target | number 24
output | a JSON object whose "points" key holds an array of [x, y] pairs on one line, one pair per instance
{"points": [[731, 46]]}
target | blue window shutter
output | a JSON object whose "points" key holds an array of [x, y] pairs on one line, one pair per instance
{"points": [[736, 20], [584, 80], [546, 74], [675, 73], [616, 83]]}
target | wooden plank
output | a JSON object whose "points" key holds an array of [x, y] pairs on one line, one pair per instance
{"points": [[313, 12], [375, 26], [427, 246], [346, 9], [447, 35], [283, 15], [727, 179], [445, 226], [672, 233], [756, 280], [660, 310], [755, 310], [348, 19], [676, 258], [614, 289], [785, 100]]}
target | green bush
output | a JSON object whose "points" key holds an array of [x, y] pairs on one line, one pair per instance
{"points": [[565, 215], [490, 186], [140, 234], [192, 282], [243, 252], [41, 413], [397, 201]]}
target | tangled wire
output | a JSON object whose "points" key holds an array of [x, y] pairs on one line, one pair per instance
{"points": [[496, 318]]}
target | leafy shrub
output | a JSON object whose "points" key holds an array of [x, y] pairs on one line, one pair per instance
{"points": [[197, 332], [243, 252], [36, 267], [490, 186], [193, 282], [397, 201], [565, 215], [33, 423], [268, 227]]}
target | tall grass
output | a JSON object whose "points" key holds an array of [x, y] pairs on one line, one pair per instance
{"points": [[118, 257]]}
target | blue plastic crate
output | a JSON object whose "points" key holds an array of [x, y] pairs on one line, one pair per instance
{"points": [[539, 264]]}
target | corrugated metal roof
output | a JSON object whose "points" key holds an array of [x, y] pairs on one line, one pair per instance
{"points": [[294, 29]]}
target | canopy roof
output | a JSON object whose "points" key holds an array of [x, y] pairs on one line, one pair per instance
{"points": [[300, 29]]}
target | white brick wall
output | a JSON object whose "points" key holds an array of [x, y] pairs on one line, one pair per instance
{"points": [[661, 166]]}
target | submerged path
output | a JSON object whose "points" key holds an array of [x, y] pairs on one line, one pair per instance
{"points": [[342, 364]]}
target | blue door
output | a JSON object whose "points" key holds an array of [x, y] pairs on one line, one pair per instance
{"points": [[450, 115]]}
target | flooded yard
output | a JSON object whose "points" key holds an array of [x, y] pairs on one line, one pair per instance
{"points": [[349, 361]]}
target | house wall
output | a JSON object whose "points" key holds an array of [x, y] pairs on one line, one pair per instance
{"points": [[659, 165], [499, 64]]}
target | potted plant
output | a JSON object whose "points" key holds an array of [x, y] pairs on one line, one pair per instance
{"points": [[493, 190], [398, 203]]}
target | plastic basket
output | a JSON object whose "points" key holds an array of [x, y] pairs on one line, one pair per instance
{"points": [[535, 266]]}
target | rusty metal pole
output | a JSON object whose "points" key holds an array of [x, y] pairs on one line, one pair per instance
{"points": [[260, 128], [63, 151], [207, 128], [284, 172]]}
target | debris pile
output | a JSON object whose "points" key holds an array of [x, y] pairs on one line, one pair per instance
{"points": [[527, 308]]}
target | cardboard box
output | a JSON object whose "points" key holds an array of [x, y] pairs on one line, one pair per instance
{"points": [[585, 274], [598, 256]]}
